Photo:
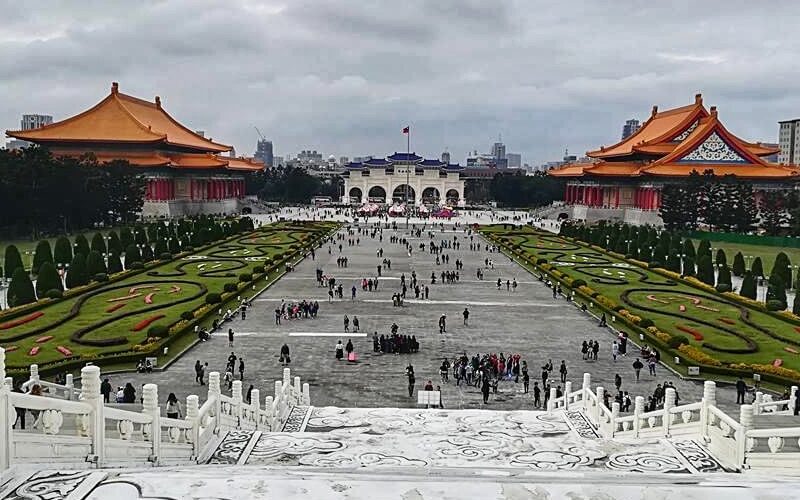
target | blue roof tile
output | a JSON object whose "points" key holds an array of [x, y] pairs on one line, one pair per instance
{"points": [[404, 157]]}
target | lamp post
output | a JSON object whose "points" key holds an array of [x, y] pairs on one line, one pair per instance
{"points": [[683, 257], [748, 258]]}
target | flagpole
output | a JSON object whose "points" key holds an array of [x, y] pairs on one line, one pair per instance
{"points": [[408, 169]]}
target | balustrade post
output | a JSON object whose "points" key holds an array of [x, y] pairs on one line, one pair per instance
{"points": [[306, 394], [5, 416], [586, 387], [287, 377], [96, 425], [270, 409], [236, 393], [255, 405], [614, 416], [746, 423], [757, 403], [193, 416], [34, 378], [70, 383], [551, 401], [600, 398], [297, 392], [214, 393], [709, 400], [792, 398], [638, 409], [567, 391], [669, 403], [150, 407], [9, 382]]}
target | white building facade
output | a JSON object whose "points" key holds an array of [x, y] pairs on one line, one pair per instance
{"points": [[789, 142], [404, 177]]}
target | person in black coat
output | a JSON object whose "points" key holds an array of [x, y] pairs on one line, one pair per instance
{"points": [[285, 359]]}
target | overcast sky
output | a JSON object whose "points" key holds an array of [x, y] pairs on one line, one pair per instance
{"points": [[345, 76]]}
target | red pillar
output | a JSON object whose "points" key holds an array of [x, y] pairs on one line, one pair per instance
{"points": [[649, 198], [658, 200], [637, 197], [158, 189], [616, 197]]}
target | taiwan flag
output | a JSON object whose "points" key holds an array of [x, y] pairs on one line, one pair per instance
{"points": [[407, 130]]}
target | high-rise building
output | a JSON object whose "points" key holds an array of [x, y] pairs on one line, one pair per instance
{"points": [[789, 142], [264, 153], [499, 151], [30, 122], [343, 160], [630, 127], [514, 160], [446, 158]]}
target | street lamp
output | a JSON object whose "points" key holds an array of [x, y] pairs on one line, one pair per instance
{"points": [[748, 258]]}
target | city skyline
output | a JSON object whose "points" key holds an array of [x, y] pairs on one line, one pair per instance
{"points": [[353, 62]]}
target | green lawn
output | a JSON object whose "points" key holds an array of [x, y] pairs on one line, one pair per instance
{"points": [[766, 253], [115, 310], [724, 330]]}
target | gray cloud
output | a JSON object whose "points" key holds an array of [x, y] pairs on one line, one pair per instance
{"points": [[344, 77]]}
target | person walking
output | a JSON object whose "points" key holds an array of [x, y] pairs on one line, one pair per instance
{"points": [[485, 389], [614, 351], [285, 359], [443, 324], [411, 380], [563, 371], [355, 324], [651, 365], [105, 390], [339, 350], [241, 368], [173, 407], [346, 323], [537, 395], [349, 349], [545, 374], [617, 381], [230, 337], [526, 380], [637, 368], [466, 316], [741, 389]]}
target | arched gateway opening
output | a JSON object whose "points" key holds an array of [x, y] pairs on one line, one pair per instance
{"points": [[430, 195], [355, 195], [399, 194], [452, 196], [376, 194]]}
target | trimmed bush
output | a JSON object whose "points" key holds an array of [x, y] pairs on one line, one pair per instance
{"points": [[245, 277], [213, 298], [132, 254], [776, 291], [705, 269], [136, 265], [796, 305], [114, 244], [158, 331], [541, 260], [20, 291], [95, 264], [100, 277], [114, 263], [258, 269], [677, 340], [757, 268], [147, 253], [62, 251], [82, 245], [42, 254], [99, 244], [54, 294], [721, 258], [165, 256], [748, 288], [76, 274], [738, 265], [578, 283], [775, 305], [48, 279], [230, 287], [187, 315], [646, 322], [723, 287]]}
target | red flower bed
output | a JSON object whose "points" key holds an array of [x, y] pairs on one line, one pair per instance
{"points": [[44, 339], [34, 351], [797, 329], [148, 299], [691, 331], [728, 321], [146, 322], [115, 307], [63, 350], [777, 363], [21, 321]]}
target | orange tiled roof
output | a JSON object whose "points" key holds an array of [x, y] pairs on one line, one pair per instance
{"points": [[120, 118], [244, 164], [202, 161], [661, 126], [571, 170]]}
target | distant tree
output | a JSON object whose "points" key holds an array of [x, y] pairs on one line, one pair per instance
{"points": [[724, 279], [114, 263], [132, 255], [746, 213], [674, 262], [99, 244], [48, 279], [82, 245], [703, 249], [705, 270], [748, 288], [76, 274], [672, 210], [147, 253], [782, 267], [20, 290], [126, 237], [688, 266], [721, 257], [95, 264], [757, 268], [114, 243], [62, 252], [688, 248], [738, 264], [12, 261], [773, 212], [173, 245]]}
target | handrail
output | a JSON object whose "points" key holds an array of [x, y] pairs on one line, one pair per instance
{"points": [[785, 432], [31, 402], [134, 416], [175, 422], [724, 417], [686, 407]]}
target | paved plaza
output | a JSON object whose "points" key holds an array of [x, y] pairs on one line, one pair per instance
{"points": [[529, 322]]}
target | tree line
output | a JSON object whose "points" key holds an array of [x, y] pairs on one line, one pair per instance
{"points": [[728, 204], [516, 189], [671, 251], [289, 184], [81, 260], [41, 194]]}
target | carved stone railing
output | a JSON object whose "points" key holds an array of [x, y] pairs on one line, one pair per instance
{"points": [[736, 444], [73, 426]]}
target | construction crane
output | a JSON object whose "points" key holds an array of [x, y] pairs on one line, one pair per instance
{"points": [[260, 134]]}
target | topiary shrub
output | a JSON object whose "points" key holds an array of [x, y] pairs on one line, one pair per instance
{"points": [[578, 282], [258, 269], [158, 331], [541, 260], [20, 291], [723, 287], [47, 280], [165, 256], [245, 277], [677, 340], [55, 293], [654, 264], [775, 305], [646, 322], [230, 287], [187, 315], [188, 248], [214, 298], [100, 277], [135, 265]]}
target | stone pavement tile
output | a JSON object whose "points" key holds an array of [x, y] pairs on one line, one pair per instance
{"points": [[528, 321]]}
